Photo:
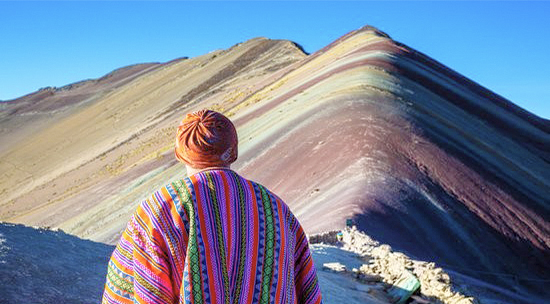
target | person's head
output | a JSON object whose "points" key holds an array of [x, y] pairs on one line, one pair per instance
{"points": [[206, 139]]}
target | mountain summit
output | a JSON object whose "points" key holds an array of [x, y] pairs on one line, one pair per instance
{"points": [[366, 130]]}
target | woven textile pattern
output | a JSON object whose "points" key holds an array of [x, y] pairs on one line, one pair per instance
{"points": [[213, 237]]}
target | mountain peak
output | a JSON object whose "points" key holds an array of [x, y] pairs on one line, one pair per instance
{"points": [[366, 130]]}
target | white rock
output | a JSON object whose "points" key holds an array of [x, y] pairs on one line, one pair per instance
{"points": [[335, 267]]}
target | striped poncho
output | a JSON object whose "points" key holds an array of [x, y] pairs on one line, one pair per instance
{"points": [[213, 237]]}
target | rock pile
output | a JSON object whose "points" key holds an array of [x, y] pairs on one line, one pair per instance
{"points": [[387, 268]]}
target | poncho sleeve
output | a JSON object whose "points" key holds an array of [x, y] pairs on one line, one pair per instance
{"points": [[138, 271], [305, 274]]}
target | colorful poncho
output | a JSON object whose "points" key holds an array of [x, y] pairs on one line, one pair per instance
{"points": [[214, 237]]}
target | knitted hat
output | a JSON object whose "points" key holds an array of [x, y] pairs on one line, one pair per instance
{"points": [[206, 139]]}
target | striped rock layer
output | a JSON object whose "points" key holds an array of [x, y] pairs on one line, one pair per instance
{"points": [[418, 156]]}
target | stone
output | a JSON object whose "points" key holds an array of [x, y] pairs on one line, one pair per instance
{"points": [[334, 267]]}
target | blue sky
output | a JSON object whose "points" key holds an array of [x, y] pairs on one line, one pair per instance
{"points": [[503, 46]]}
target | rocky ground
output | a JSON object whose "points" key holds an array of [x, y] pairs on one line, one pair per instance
{"points": [[382, 269], [378, 271], [40, 265]]}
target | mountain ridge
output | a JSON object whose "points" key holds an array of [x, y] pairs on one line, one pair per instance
{"points": [[419, 156]]}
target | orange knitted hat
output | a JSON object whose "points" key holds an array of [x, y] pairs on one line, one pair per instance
{"points": [[206, 139]]}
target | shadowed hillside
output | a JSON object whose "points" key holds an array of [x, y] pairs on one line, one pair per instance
{"points": [[420, 157], [45, 266]]}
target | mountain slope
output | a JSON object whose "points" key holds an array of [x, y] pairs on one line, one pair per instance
{"points": [[420, 157], [48, 105], [81, 161]]}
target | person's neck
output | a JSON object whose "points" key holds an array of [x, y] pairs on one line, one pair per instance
{"points": [[193, 171]]}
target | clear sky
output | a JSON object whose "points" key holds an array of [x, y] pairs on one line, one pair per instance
{"points": [[504, 46]]}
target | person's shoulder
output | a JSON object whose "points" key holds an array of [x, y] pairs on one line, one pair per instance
{"points": [[165, 196], [183, 189], [176, 185]]}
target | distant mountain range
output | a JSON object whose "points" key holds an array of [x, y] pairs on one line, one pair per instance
{"points": [[365, 129]]}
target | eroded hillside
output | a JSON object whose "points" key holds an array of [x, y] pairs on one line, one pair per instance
{"points": [[420, 157]]}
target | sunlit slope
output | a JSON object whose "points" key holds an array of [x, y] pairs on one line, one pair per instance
{"points": [[20, 118], [92, 159]]}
